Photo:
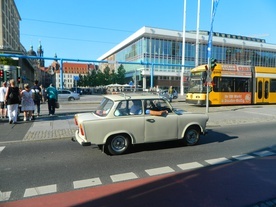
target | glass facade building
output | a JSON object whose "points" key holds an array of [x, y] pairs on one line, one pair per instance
{"points": [[163, 48]]}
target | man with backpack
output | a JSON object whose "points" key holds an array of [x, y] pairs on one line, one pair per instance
{"points": [[37, 97]]}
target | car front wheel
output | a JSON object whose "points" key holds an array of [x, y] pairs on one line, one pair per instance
{"points": [[191, 136], [117, 144], [71, 99]]}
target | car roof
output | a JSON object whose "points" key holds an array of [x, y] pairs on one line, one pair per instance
{"points": [[122, 96]]}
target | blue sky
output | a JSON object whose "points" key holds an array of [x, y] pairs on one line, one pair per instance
{"points": [[86, 29]]}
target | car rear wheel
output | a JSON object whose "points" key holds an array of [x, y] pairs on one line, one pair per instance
{"points": [[71, 99], [191, 136], [117, 144]]}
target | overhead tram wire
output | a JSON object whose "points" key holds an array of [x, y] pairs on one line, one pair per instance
{"points": [[63, 38], [77, 25]]}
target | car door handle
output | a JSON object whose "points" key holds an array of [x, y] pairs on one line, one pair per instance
{"points": [[151, 120]]}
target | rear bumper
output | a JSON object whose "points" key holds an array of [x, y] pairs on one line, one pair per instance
{"points": [[205, 132], [80, 140]]}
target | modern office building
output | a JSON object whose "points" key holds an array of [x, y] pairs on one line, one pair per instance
{"points": [[163, 48]]}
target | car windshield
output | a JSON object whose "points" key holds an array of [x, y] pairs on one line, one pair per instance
{"points": [[104, 108]]}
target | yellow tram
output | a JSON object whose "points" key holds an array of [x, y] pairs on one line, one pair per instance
{"points": [[232, 84]]}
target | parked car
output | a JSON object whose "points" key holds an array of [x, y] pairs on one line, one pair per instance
{"points": [[77, 90], [115, 126], [67, 95]]}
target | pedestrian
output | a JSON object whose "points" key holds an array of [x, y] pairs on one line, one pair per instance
{"points": [[52, 96], [170, 91], [3, 105], [12, 98], [36, 90], [136, 108], [43, 94], [27, 103]]}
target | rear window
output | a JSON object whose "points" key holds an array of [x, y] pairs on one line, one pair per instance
{"points": [[104, 108]]}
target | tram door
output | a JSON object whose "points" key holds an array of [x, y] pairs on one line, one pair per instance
{"points": [[262, 90]]}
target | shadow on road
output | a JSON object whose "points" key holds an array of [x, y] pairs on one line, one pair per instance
{"points": [[239, 183]]}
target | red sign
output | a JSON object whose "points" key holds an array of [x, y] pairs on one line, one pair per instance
{"points": [[236, 98]]}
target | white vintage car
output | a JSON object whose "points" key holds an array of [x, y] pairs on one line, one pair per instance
{"points": [[122, 120]]}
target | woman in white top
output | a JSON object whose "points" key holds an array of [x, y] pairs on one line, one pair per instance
{"points": [[27, 103], [3, 91]]}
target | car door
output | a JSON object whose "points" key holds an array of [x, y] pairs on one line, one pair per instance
{"points": [[62, 95], [161, 128]]}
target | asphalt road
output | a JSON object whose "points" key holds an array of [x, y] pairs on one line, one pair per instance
{"points": [[30, 168]]}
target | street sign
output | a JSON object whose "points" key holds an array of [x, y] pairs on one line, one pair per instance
{"points": [[76, 78]]}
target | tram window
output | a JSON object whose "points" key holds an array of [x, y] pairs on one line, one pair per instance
{"points": [[266, 89], [204, 77], [226, 84], [273, 85], [260, 89], [216, 84], [242, 85]]}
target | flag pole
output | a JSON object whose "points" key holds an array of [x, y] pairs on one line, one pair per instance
{"points": [[197, 33], [209, 50], [183, 49]]}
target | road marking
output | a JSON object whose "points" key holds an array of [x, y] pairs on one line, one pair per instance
{"points": [[188, 166], [5, 196], [40, 190], [1, 149], [87, 183], [218, 161], [123, 177], [264, 153], [243, 157], [159, 171]]}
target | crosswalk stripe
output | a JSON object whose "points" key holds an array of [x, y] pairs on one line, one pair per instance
{"points": [[123, 177], [188, 166], [159, 171], [5, 196], [264, 153], [40, 190], [87, 183], [243, 157], [217, 161], [2, 148]]}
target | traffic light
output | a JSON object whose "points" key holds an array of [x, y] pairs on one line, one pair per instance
{"points": [[2, 75], [213, 63], [18, 80]]}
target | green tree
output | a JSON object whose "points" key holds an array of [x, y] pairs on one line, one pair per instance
{"points": [[80, 82], [107, 77], [121, 75], [113, 77], [101, 78], [93, 81], [96, 77], [8, 61]]}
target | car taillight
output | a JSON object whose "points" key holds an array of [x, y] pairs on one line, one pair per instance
{"points": [[81, 130], [76, 120]]}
